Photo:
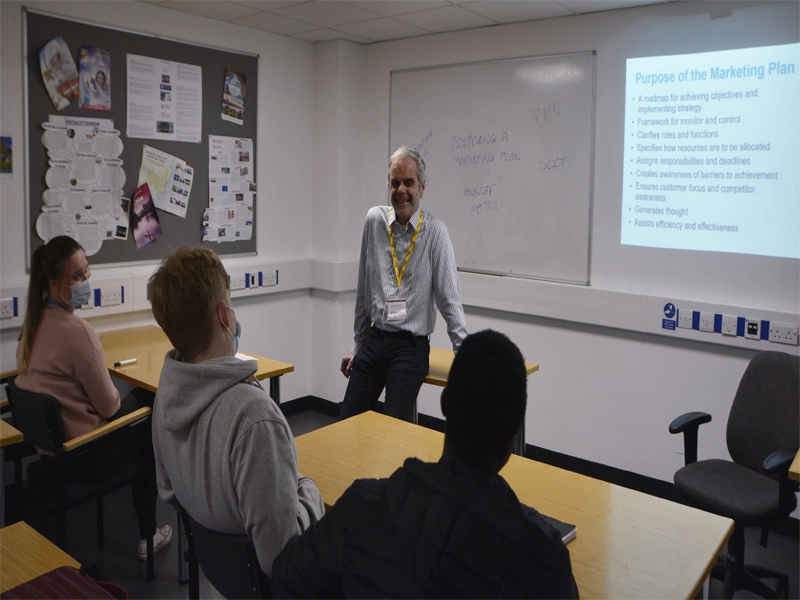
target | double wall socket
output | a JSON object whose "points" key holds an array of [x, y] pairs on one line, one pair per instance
{"points": [[269, 278], [237, 281], [111, 296], [783, 333], [7, 308]]}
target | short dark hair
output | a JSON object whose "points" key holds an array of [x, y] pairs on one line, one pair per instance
{"points": [[184, 292], [487, 393]]}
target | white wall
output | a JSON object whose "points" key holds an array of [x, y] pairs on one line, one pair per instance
{"points": [[603, 394]]}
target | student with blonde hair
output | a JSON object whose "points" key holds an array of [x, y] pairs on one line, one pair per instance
{"points": [[223, 448]]}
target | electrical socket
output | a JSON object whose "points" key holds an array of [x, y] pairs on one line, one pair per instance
{"points": [[269, 278], [685, 318], [752, 329], [783, 333], [110, 296], [237, 281], [707, 321], [7, 308], [729, 324]]}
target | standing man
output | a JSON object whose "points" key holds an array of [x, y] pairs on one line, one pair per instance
{"points": [[407, 269]]}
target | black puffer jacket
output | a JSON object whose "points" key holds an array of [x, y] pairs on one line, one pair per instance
{"points": [[430, 530]]}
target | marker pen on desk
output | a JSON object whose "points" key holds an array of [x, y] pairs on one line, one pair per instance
{"points": [[122, 363]]}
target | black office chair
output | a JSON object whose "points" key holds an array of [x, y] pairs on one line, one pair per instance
{"points": [[50, 479], [229, 562], [763, 436]]}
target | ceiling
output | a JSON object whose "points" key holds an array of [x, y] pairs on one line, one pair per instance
{"points": [[369, 21]]}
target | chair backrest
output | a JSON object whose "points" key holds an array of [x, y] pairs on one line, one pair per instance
{"points": [[764, 415], [37, 416], [229, 561]]}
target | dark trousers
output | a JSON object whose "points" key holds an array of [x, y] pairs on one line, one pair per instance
{"points": [[121, 452], [397, 361]]}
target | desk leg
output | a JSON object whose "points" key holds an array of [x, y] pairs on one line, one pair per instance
{"points": [[275, 389], [3, 489], [519, 443]]}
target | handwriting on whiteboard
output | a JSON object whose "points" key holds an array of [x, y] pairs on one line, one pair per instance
{"points": [[482, 208], [552, 163], [548, 113]]}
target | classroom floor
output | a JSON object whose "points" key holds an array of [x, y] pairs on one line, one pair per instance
{"points": [[118, 558]]}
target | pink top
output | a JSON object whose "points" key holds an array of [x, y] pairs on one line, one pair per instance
{"points": [[67, 362]]}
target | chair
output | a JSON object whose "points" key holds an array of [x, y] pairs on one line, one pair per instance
{"points": [[763, 435], [51, 478], [229, 562]]}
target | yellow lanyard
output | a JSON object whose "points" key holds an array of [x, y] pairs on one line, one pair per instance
{"points": [[399, 273]]}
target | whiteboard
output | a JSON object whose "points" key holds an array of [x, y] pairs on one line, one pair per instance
{"points": [[508, 147]]}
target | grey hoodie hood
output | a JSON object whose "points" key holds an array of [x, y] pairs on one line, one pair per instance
{"points": [[191, 388]]}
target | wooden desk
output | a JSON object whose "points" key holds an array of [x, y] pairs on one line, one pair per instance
{"points": [[440, 361], [26, 554], [794, 470], [629, 544], [148, 344], [8, 435]]}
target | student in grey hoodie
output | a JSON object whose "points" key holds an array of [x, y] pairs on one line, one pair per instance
{"points": [[223, 448]]}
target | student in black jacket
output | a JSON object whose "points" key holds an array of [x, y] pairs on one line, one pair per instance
{"points": [[448, 529]]}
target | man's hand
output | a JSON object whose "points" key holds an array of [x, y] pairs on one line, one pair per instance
{"points": [[347, 364]]}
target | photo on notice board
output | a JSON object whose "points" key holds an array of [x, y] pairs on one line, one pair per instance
{"points": [[95, 78], [59, 72], [233, 93], [121, 229], [6, 162], [144, 220]]}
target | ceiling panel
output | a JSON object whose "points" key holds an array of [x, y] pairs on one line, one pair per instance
{"points": [[328, 13], [381, 30], [449, 18], [368, 21]]}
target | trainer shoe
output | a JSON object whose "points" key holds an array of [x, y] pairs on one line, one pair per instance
{"points": [[161, 538]]}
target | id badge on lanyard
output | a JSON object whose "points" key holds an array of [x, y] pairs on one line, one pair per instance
{"points": [[396, 309]]}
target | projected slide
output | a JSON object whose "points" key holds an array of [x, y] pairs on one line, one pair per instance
{"points": [[712, 152]]}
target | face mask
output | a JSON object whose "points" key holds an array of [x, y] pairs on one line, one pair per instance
{"points": [[81, 292], [234, 338]]}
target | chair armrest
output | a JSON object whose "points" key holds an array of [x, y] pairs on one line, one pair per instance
{"points": [[106, 429], [688, 424], [690, 419], [780, 460]]}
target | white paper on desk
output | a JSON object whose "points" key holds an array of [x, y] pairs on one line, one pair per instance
{"points": [[241, 356]]}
